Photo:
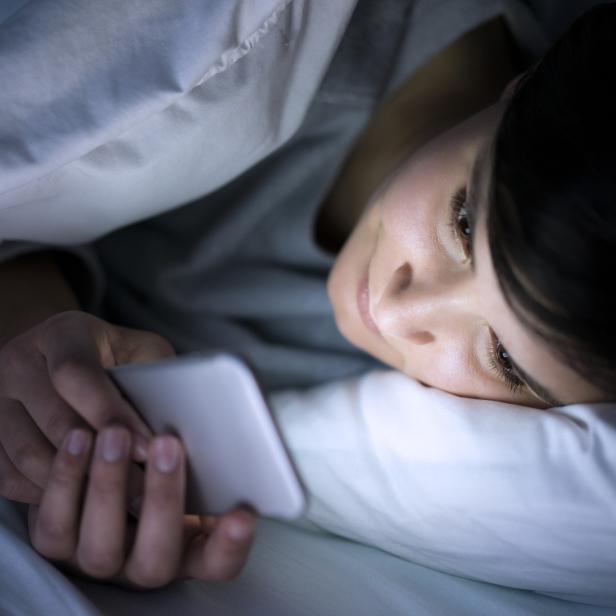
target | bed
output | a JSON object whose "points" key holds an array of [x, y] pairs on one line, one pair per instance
{"points": [[293, 570]]}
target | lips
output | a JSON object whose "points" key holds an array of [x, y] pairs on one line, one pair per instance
{"points": [[363, 304]]}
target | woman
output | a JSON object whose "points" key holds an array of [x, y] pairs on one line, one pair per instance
{"points": [[429, 290]]}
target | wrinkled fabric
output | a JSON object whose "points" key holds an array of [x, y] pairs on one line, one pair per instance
{"points": [[292, 571], [190, 137], [114, 115]]}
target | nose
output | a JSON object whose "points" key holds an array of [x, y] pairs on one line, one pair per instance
{"points": [[421, 310]]}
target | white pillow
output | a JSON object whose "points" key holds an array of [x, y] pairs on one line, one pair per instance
{"points": [[115, 111], [492, 491]]}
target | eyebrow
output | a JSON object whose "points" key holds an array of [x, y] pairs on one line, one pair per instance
{"points": [[473, 208]]}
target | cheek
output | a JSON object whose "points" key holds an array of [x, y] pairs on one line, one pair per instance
{"points": [[442, 365]]}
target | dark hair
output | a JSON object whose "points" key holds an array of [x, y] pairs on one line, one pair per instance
{"points": [[552, 215]]}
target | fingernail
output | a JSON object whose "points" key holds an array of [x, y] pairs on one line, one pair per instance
{"points": [[77, 442], [166, 453], [238, 531], [114, 444]]}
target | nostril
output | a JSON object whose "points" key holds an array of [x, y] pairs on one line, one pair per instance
{"points": [[402, 278], [421, 337], [390, 308]]}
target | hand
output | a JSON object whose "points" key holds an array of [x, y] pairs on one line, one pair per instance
{"points": [[52, 379], [95, 538]]}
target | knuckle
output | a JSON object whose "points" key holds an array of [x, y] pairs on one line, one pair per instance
{"points": [[57, 423], [163, 496], [160, 345], [32, 463], [146, 575], [105, 486], [25, 455], [52, 531], [71, 376], [97, 563], [65, 472], [15, 486], [101, 409], [10, 486], [53, 538]]}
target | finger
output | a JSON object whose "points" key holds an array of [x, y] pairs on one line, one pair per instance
{"points": [[55, 530], [135, 345], [154, 560], [27, 448], [25, 378], [13, 485], [76, 360], [222, 555], [100, 552]]}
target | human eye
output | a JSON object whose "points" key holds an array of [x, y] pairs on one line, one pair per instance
{"points": [[460, 222], [501, 364]]}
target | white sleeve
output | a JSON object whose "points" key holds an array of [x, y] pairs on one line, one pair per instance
{"points": [[501, 493]]}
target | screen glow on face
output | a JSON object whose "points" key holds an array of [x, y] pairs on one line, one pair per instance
{"points": [[414, 284]]}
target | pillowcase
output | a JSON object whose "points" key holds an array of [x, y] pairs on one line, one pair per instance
{"points": [[115, 111], [496, 492]]}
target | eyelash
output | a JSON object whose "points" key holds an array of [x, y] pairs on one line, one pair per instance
{"points": [[500, 366], [457, 213]]}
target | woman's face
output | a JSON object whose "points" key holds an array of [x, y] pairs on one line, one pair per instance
{"points": [[414, 284]]}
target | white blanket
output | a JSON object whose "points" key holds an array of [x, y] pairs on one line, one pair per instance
{"points": [[160, 103], [488, 490]]}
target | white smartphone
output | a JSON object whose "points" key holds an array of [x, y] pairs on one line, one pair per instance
{"points": [[235, 452]]}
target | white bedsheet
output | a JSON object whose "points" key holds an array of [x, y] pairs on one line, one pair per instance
{"points": [[292, 571]]}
